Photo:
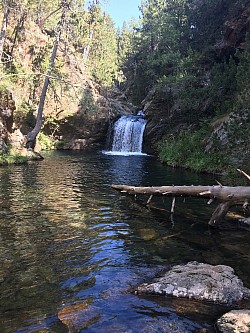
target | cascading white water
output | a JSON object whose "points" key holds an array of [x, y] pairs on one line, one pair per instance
{"points": [[128, 135]]}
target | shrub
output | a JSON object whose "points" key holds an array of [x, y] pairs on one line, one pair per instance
{"points": [[45, 141], [11, 156], [188, 151]]}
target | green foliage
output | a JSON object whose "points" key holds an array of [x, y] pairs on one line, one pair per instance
{"points": [[124, 43], [45, 13], [223, 86], [190, 94], [40, 57], [188, 151], [60, 144], [103, 52], [25, 114], [51, 124], [174, 41], [11, 156], [161, 50], [156, 51], [208, 17], [238, 130], [191, 90], [46, 142], [87, 103], [232, 177], [243, 75]]}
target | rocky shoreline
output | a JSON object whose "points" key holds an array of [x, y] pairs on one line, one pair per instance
{"points": [[205, 283]]}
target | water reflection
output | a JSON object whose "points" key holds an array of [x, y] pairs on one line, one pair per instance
{"points": [[72, 249], [126, 170]]}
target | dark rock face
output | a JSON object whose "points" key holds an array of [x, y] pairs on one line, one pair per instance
{"points": [[236, 321], [223, 133], [10, 135], [199, 281], [235, 30], [88, 130], [83, 133]]}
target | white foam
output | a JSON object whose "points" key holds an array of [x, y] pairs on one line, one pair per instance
{"points": [[123, 153]]}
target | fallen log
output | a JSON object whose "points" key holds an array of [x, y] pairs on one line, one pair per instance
{"points": [[226, 196]]}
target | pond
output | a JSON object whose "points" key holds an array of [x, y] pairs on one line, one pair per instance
{"points": [[72, 249]]}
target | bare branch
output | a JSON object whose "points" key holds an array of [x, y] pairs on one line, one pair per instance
{"points": [[244, 174]]}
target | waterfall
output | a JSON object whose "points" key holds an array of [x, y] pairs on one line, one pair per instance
{"points": [[128, 135]]}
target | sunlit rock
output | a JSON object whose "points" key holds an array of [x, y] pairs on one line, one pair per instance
{"points": [[17, 138], [199, 281], [236, 321]]}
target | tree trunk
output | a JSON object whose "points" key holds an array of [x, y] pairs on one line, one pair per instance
{"points": [[237, 194], [31, 136], [17, 29], [87, 47], [6, 10], [226, 195]]}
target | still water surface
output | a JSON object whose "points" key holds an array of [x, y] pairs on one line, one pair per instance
{"points": [[72, 249]]}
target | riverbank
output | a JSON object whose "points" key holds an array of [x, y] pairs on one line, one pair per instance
{"points": [[19, 156], [213, 144]]}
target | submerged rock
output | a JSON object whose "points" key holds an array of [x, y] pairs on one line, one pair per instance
{"points": [[199, 281], [78, 316], [235, 321]]}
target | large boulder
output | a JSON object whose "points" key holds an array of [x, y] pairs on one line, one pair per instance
{"points": [[235, 321], [199, 281]]}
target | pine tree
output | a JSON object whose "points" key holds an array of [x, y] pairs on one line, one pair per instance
{"points": [[156, 45], [100, 49]]}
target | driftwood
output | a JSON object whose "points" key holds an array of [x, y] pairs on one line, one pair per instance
{"points": [[226, 196]]}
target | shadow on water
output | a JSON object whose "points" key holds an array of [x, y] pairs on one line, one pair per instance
{"points": [[72, 249]]}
